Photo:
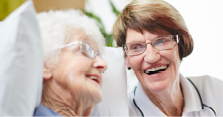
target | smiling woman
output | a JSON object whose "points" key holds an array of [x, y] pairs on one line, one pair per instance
{"points": [[72, 64], [155, 40]]}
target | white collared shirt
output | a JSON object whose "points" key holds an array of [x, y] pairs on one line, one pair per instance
{"points": [[210, 89]]}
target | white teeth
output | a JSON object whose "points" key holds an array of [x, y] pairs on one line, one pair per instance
{"points": [[92, 77], [156, 68]]}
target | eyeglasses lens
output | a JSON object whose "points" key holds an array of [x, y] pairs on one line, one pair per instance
{"points": [[163, 43], [136, 48], [86, 49]]}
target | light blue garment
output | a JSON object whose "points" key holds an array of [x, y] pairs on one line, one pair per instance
{"points": [[41, 110]]}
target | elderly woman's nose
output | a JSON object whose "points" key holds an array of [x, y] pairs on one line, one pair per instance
{"points": [[151, 55], [100, 63]]}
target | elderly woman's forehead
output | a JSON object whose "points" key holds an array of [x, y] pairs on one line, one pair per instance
{"points": [[85, 38], [91, 42], [81, 37]]}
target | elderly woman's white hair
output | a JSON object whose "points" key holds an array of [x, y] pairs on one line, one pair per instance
{"points": [[56, 26]]}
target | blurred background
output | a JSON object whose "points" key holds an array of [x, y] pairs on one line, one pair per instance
{"points": [[204, 19]]}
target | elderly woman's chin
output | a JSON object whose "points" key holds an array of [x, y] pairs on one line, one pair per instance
{"points": [[96, 95], [95, 91], [158, 86], [99, 98]]}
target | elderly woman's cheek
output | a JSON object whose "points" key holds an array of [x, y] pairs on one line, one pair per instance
{"points": [[75, 81], [176, 60], [78, 83], [135, 62]]}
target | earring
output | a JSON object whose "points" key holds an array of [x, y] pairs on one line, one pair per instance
{"points": [[129, 68]]}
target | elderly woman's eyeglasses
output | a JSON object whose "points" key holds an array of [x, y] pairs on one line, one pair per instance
{"points": [[163, 43], [85, 48]]}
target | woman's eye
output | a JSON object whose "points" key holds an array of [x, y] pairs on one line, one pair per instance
{"points": [[161, 41], [136, 47]]}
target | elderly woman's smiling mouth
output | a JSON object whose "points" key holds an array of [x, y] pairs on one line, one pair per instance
{"points": [[96, 78], [156, 69]]}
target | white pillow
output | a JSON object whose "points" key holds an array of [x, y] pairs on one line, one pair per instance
{"points": [[21, 62], [114, 87]]}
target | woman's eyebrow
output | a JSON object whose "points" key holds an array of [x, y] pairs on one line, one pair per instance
{"points": [[139, 39], [83, 37], [164, 35]]}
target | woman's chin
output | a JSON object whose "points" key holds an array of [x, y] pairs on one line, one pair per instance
{"points": [[156, 87], [98, 100], [96, 96]]}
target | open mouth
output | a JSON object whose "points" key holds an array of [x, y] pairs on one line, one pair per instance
{"points": [[156, 70], [94, 78]]}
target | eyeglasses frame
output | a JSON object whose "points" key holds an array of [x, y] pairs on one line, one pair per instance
{"points": [[125, 48], [81, 48]]}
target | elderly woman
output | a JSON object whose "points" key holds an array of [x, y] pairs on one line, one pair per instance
{"points": [[72, 64], [155, 39]]}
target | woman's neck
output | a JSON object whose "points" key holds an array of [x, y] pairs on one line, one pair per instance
{"points": [[170, 101], [63, 103]]}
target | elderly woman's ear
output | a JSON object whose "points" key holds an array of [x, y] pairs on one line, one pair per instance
{"points": [[127, 63], [46, 74]]}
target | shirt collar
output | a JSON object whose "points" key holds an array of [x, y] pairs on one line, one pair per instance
{"points": [[145, 104], [191, 99]]}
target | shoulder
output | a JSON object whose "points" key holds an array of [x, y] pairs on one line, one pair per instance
{"points": [[132, 111], [130, 101], [41, 110], [207, 81], [210, 89]]}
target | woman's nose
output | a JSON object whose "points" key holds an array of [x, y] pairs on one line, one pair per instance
{"points": [[151, 55], [100, 64]]}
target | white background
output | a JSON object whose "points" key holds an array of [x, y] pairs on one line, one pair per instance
{"points": [[204, 19]]}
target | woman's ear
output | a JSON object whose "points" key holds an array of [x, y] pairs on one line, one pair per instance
{"points": [[47, 74], [127, 63]]}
